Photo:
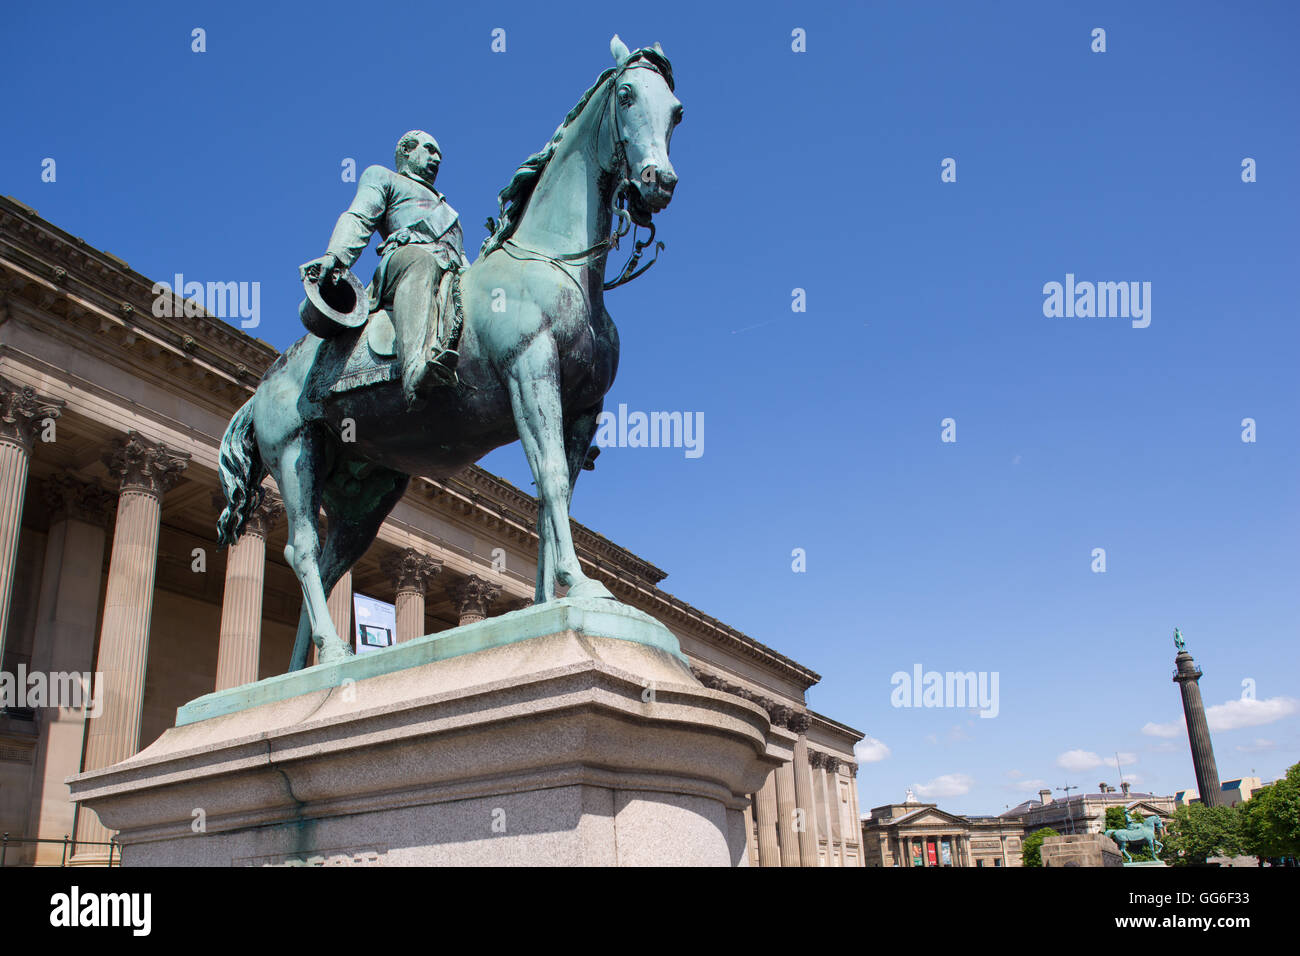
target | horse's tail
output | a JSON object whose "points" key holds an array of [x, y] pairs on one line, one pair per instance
{"points": [[241, 471]]}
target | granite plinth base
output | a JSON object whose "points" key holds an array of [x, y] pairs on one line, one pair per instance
{"points": [[566, 748], [1081, 849]]}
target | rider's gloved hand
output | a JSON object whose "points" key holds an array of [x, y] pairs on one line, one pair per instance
{"points": [[318, 268]]}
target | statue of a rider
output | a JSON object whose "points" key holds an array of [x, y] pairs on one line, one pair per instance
{"points": [[421, 253]]}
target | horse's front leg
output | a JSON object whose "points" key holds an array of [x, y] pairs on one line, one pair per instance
{"points": [[533, 383]]}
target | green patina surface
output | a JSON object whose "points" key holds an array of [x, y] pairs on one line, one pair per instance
{"points": [[597, 617]]}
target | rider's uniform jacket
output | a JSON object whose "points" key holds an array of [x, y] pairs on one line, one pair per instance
{"points": [[402, 210]]}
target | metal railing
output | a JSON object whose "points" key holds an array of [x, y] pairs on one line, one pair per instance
{"points": [[68, 843]]}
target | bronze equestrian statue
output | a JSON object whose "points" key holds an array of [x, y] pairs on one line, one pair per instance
{"points": [[336, 426]]}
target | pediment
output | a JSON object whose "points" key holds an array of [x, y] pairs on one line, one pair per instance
{"points": [[930, 818]]}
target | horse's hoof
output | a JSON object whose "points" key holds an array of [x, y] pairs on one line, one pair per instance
{"points": [[588, 588], [333, 652]]}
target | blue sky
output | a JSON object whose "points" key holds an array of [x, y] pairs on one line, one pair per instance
{"points": [[820, 170]]}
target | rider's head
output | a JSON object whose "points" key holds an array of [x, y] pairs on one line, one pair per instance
{"points": [[418, 156]]}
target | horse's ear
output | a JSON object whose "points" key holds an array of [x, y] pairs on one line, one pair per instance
{"points": [[620, 51], [658, 49]]}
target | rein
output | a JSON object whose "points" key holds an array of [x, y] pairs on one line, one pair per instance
{"points": [[630, 270]]}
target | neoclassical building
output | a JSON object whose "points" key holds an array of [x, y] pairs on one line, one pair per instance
{"points": [[110, 423], [1086, 812], [912, 833]]}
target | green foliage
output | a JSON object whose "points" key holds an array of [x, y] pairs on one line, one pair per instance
{"points": [[1115, 818], [1270, 819], [1031, 849], [1199, 832]]}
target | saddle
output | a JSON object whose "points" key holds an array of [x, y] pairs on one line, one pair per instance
{"points": [[369, 356]]}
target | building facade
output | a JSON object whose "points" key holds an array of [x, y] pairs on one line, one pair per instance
{"points": [[110, 422], [920, 834], [1086, 812]]}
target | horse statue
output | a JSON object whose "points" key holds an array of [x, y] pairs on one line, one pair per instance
{"points": [[1142, 832], [538, 353]]}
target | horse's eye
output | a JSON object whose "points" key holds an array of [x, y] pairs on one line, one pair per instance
{"points": [[625, 96]]}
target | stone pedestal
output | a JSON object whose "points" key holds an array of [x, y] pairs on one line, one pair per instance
{"points": [[571, 733], [1081, 849]]}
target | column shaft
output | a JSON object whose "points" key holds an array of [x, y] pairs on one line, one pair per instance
{"points": [[410, 614], [147, 469], [123, 645], [67, 610], [803, 793], [240, 645], [13, 489], [785, 823], [769, 846]]}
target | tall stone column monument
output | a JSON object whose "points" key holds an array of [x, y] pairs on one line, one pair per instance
{"points": [[1186, 676]]}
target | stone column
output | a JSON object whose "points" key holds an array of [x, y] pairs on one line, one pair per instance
{"points": [[66, 613], [831, 767], [751, 851], [780, 716], [240, 647], [23, 414], [803, 791], [473, 595], [769, 844], [340, 605], [1187, 676], [411, 572], [851, 770], [815, 760], [146, 469]]}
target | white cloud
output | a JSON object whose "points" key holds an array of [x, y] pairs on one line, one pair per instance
{"points": [[1081, 760], [948, 785], [1232, 715], [1026, 785], [1236, 714], [1078, 760], [1172, 729], [870, 750], [1014, 774], [1259, 745]]}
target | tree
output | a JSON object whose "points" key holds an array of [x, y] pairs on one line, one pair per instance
{"points": [[1031, 849], [1270, 819], [1199, 832], [1115, 818]]}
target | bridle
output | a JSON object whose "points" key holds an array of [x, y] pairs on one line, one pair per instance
{"points": [[621, 215]]}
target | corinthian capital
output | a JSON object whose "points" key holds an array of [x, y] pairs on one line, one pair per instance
{"points": [[22, 411], [68, 497], [799, 723], [144, 465], [474, 594], [410, 570]]}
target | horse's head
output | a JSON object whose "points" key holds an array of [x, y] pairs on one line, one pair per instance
{"points": [[643, 113]]}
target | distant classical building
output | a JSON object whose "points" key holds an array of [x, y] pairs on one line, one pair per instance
{"points": [[920, 834], [110, 424], [1085, 812]]}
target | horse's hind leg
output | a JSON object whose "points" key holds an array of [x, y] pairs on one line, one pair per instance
{"points": [[301, 466]]}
